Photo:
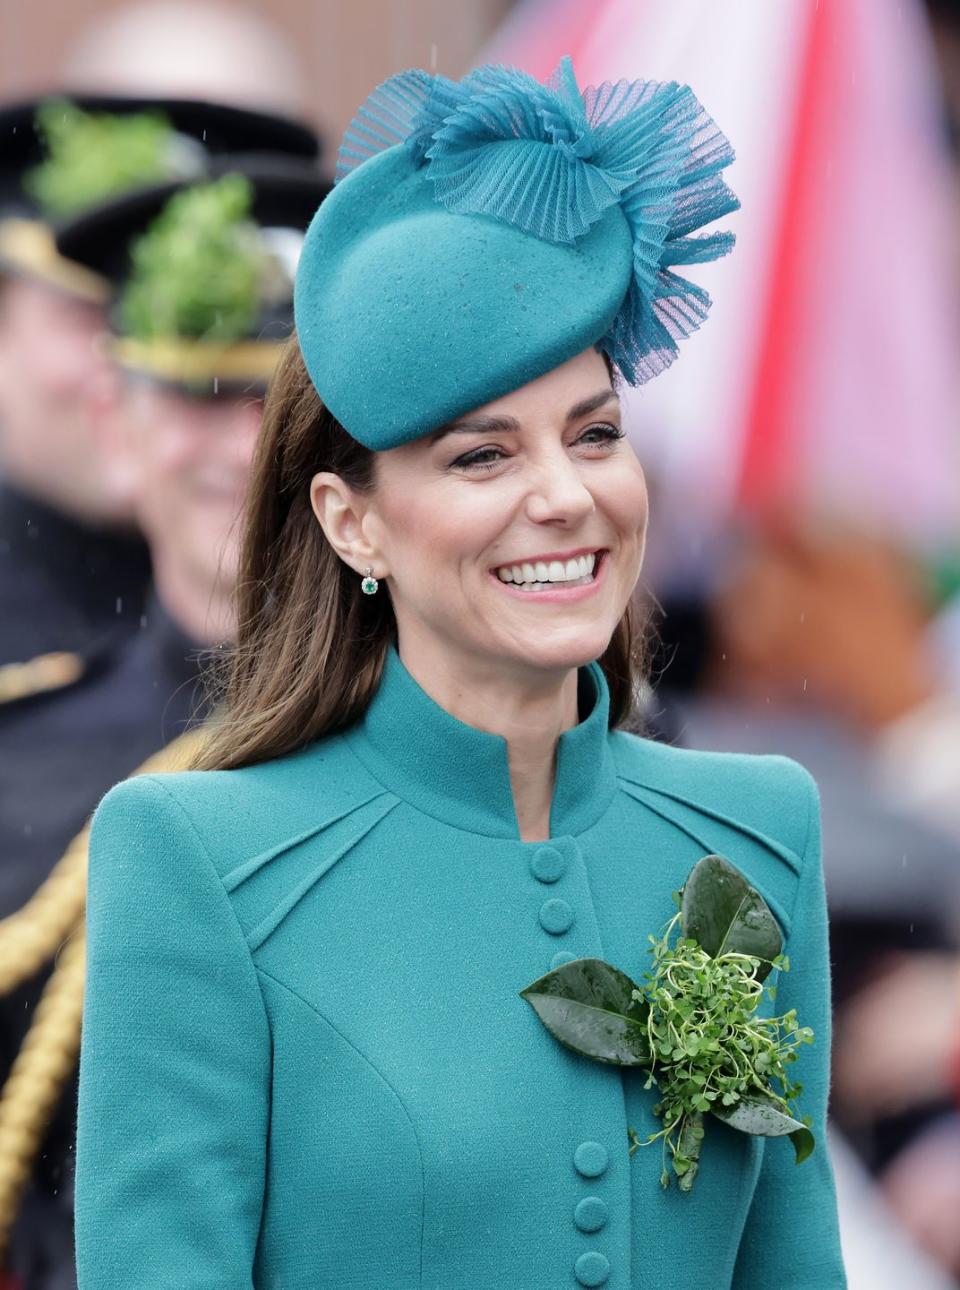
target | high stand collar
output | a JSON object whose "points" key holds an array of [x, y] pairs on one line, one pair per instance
{"points": [[460, 775]]}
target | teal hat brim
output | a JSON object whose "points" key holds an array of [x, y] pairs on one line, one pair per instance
{"points": [[409, 315]]}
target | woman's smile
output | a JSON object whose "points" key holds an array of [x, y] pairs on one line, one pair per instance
{"points": [[554, 577]]}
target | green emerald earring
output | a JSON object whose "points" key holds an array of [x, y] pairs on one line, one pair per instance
{"points": [[369, 583]]}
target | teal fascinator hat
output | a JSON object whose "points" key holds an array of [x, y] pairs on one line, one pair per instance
{"points": [[482, 232]]}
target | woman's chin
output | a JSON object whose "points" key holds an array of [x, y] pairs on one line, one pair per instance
{"points": [[556, 652]]}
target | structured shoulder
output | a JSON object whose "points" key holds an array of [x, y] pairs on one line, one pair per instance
{"points": [[773, 798], [265, 807]]}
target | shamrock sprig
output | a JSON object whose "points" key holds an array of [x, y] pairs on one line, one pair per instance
{"points": [[692, 1024], [94, 155], [709, 1051], [196, 269]]}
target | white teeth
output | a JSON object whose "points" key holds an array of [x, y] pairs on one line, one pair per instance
{"points": [[542, 573]]}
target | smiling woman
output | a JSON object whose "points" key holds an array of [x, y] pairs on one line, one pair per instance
{"points": [[455, 509], [306, 1058]]}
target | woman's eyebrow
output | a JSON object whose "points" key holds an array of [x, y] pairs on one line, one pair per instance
{"points": [[595, 401], [500, 424], [482, 425]]}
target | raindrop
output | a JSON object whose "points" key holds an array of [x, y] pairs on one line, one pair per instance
{"points": [[119, 604]]}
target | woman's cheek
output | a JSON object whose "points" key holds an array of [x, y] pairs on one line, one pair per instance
{"points": [[469, 521], [625, 503]]}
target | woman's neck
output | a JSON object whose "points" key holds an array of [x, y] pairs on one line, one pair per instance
{"points": [[529, 712]]}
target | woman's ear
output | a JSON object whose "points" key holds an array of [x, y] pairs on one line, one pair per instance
{"points": [[340, 511]]}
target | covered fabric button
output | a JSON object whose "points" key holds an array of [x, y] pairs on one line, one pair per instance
{"points": [[590, 1159], [556, 916], [592, 1268], [590, 1214], [547, 864], [562, 956]]}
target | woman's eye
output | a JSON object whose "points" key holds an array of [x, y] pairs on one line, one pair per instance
{"points": [[601, 434], [479, 459]]}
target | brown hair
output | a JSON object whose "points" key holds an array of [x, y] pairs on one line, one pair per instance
{"points": [[310, 646]]}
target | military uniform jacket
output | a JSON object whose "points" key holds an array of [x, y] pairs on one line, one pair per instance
{"points": [[64, 585], [305, 1059], [60, 750]]}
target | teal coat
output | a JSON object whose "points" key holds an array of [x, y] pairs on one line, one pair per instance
{"points": [[306, 1063]]}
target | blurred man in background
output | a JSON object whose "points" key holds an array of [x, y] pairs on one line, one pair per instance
{"points": [[72, 573], [72, 570], [182, 427], [65, 588]]}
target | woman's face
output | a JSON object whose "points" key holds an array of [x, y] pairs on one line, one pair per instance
{"points": [[514, 537]]}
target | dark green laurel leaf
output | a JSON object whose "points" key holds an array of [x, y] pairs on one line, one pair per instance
{"points": [[803, 1143], [763, 1115], [588, 1005], [723, 913]]}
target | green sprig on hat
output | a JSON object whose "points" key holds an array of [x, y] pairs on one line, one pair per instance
{"points": [[93, 155], [196, 271]]}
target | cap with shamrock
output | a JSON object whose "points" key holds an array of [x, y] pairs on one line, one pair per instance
{"points": [[63, 155], [202, 272]]}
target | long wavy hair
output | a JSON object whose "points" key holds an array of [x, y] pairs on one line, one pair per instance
{"points": [[310, 646]]}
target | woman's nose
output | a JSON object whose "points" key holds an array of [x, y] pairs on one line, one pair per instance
{"points": [[558, 494]]}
